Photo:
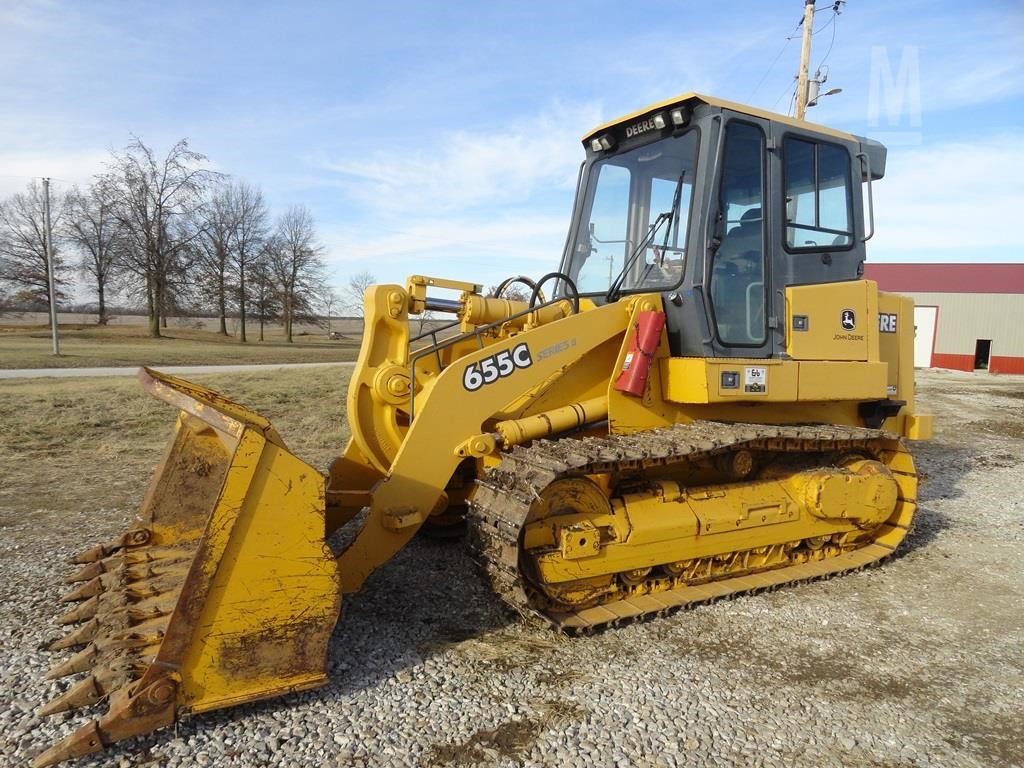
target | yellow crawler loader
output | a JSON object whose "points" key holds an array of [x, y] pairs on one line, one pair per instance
{"points": [[706, 399]]}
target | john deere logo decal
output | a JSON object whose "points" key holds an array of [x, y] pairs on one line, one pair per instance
{"points": [[848, 319]]}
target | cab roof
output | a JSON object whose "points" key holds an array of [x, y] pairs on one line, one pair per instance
{"points": [[723, 104]]}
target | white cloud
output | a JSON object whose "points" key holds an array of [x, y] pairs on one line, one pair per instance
{"points": [[474, 205], [481, 249], [954, 200], [467, 169]]}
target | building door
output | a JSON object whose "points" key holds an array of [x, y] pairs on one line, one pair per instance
{"points": [[982, 349], [924, 338]]}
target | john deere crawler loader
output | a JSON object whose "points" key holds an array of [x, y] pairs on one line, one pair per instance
{"points": [[706, 399]]}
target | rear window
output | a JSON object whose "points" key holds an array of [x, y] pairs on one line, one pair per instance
{"points": [[818, 195]]}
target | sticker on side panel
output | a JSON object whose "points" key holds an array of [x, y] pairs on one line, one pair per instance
{"points": [[755, 379], [887, 322], [495, 367]]}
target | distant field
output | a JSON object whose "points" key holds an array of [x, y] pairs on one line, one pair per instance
{"points": [[86, 345], [55, 435]]}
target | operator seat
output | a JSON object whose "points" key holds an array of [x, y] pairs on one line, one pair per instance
{"points": [[737, 275]]}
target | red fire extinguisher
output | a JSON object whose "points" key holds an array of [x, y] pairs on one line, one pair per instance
{"points": [[637, 365]]}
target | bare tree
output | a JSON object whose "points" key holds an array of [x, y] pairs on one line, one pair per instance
{"points": [[296, 264], [22, 246], [247, 239], [156, 199], [512, 292], [91, 225], [263, 294], [331, 299], [355, 291], [212, 247], [423, 318]]}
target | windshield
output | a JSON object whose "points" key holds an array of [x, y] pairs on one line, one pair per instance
{"points": [[632, 232]]}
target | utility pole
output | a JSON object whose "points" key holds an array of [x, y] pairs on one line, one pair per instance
{"points": [[48, 247], [805, 60]]}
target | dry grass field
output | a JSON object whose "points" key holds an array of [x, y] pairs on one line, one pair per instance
{"points": [[69, 440], [88, 345]]}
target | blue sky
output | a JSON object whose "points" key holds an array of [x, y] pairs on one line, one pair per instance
{"points": [[443, 138]]}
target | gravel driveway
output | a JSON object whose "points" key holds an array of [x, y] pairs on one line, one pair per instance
{"points": [[916, 663]]}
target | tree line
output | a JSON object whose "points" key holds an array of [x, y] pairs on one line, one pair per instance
{"points": [[170, 234]]}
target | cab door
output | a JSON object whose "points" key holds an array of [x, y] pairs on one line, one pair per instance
{"points": [[819, 215], [738, 275]]}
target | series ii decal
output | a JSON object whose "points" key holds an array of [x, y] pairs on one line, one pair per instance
{"points": [[498, 366]]}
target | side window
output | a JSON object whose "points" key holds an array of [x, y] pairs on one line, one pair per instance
{"points": [[609, 219], [818, 192], [738, 294]]}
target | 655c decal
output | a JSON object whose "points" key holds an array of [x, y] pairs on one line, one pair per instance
{"points": [[495, 367]]}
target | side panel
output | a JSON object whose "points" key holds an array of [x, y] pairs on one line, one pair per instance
{"points": [[691, 380], [834, 321]]}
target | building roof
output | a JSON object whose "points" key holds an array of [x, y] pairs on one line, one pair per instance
{"points": [[947, 278]]}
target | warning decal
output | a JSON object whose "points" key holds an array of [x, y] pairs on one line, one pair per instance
{"points": [[755, 379]]}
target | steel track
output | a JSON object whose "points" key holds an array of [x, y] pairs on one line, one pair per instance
{"points": [[501, 505]]}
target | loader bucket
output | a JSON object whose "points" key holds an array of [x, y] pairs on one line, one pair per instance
{"points": [[222, 592]]}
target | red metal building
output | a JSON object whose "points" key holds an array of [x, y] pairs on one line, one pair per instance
{"points": [[968, 316]]}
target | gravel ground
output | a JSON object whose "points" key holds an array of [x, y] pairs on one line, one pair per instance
{"points": [[916, 663]]}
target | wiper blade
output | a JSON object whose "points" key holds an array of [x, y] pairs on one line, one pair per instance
{"points": [[676, 200], [615, 288], [671, 216]]}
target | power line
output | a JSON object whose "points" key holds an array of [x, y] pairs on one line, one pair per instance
{"points": [[828, 24], [35, 178], [835, 23], [790, 89], [775, 61], [768, 71]]}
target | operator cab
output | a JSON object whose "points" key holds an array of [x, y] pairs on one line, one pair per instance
{"points": [[719, 207]]}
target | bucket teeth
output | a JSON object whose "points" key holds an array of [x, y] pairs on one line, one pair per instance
{"points": [[84, 741], [89, 589], [83, 611], [133, 537], [93, 554], [79, 636], [139, 580], [80, 662], [84, 693], [132, 712], [97, 686], [91, 571], [141, 613]]}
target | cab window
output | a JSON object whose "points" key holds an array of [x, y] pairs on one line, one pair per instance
{"points": [[607, 242], [634, 227], [818, 191]]}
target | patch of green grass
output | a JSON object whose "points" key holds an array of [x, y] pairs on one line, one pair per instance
{"points": [[84, 346]]}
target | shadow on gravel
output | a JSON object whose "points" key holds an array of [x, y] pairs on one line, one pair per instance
{"points": [[942, 467], [427, 599]]}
